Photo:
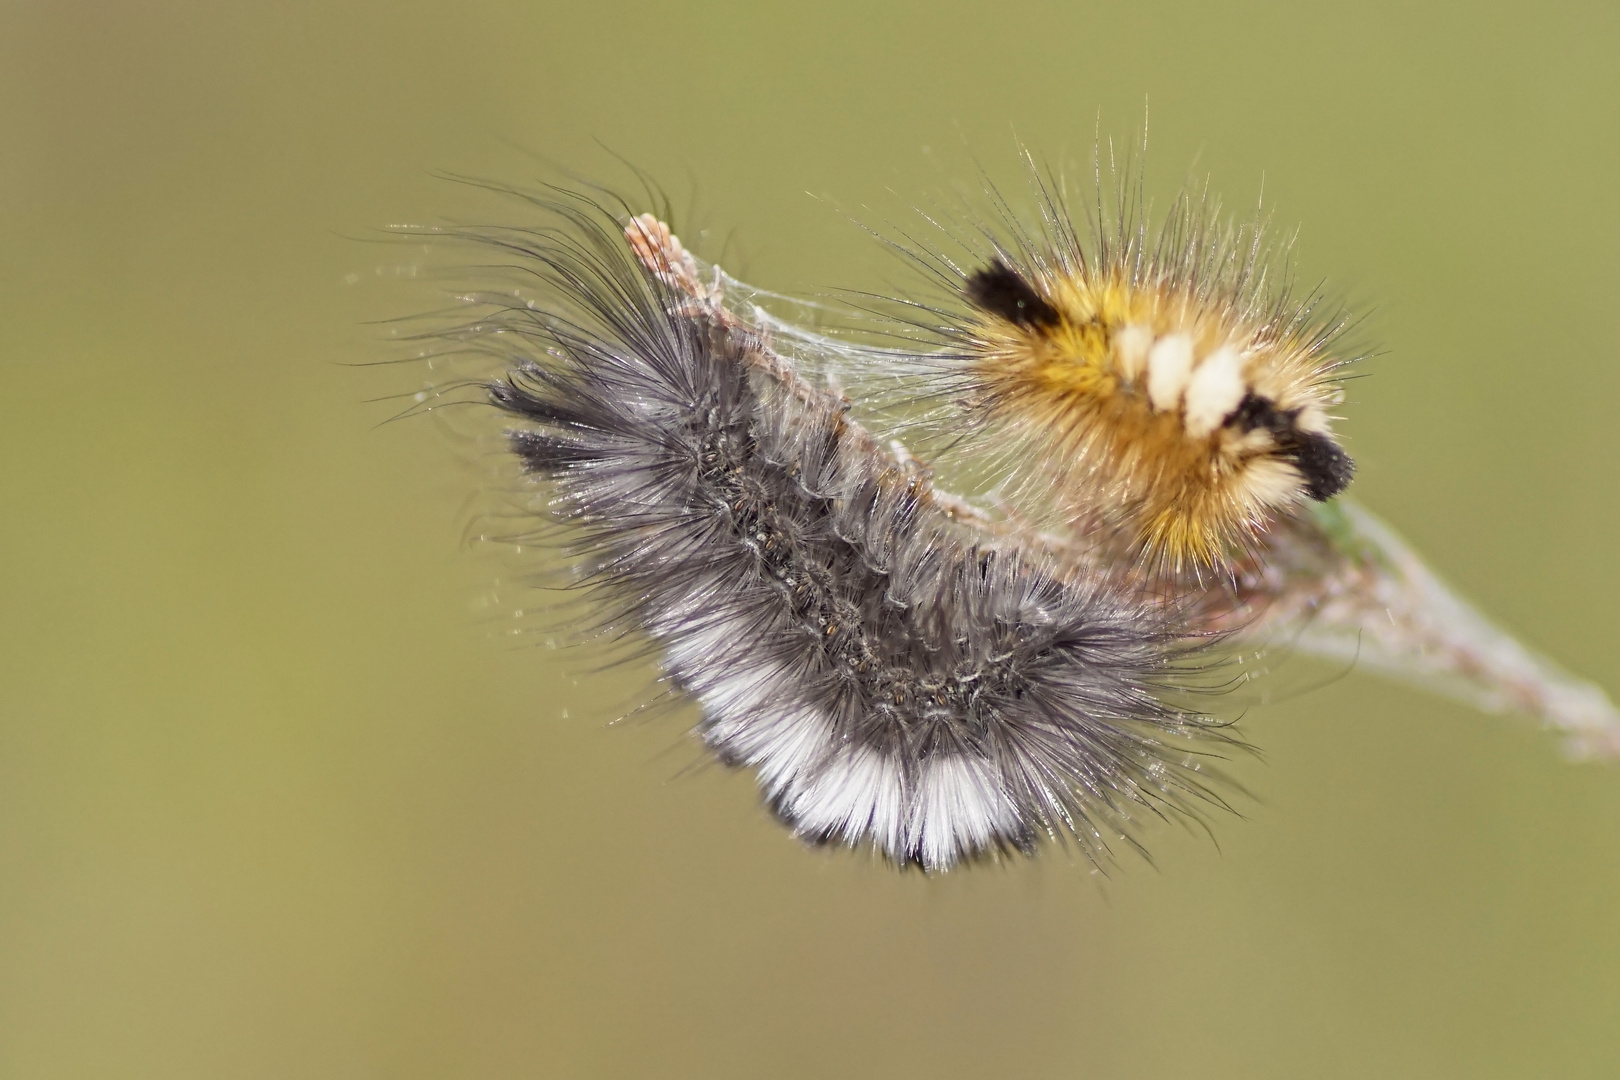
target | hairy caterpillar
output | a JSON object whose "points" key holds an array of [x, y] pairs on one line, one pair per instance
{"points": [[1167, 392]]}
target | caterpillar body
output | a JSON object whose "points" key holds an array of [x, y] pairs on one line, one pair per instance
{"points": [[1156, 390]]}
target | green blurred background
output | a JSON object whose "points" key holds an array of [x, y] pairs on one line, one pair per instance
{"points": [[275, 802]]}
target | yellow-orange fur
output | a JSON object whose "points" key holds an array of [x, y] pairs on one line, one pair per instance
{"points": [[1184, 498]]}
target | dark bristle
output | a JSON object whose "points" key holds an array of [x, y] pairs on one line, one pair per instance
{"points": [[999, 290], [541, 452], [1327, 468]]}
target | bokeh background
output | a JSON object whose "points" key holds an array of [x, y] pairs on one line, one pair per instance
{"points": [[276, 802]]}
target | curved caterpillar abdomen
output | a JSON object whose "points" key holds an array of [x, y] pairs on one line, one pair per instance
{"points": [[895, 671]]}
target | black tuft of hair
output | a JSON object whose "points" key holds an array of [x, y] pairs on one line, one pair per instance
{"points": [[1000, 290], [1255, 412], [1326, 467]]}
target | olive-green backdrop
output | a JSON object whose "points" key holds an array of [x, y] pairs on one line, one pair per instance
{"points": [[276, 802]]}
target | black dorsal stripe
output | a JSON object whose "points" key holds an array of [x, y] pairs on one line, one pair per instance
{"points": [[1000, 290]]}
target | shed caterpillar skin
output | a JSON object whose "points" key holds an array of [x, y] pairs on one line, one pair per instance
{"points": [[897, 671], [1162, 390]]}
